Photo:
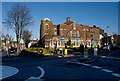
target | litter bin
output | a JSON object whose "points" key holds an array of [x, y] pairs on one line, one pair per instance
{"points": [[65, 52]]}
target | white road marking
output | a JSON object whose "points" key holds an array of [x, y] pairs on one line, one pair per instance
{"points": [[87, 64], [42, 74], [97, 67], [116, 74], [79, 63], [8, 71], [106, 70]]}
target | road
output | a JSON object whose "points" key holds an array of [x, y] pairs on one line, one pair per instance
{"points": [[58, 68]]}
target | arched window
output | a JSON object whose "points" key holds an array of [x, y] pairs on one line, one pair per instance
{"points": [[69, 34], [74, 33]]}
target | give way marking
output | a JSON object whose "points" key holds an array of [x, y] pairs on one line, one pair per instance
{"points": [[42, 74]]}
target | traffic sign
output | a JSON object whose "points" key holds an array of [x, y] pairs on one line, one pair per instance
{"points": [[62, 38], [76, 37]]}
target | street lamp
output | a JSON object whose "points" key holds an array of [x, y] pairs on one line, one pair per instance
{"points": [[7, 35], [107, 34]]}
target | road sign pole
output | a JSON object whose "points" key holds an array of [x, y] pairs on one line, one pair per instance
{"points": [[62, 48], [62, 38]]}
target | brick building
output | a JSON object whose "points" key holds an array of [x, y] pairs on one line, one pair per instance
{"points": [[78, 34]]}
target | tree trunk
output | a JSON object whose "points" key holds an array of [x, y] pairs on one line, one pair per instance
{"points": [[18, 45]]}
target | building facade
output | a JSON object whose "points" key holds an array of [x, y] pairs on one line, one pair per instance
{"points": [[60, 34], [8, 44]]}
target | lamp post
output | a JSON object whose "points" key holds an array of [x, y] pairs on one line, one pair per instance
{"points": [[107, 34], [7, 36]]}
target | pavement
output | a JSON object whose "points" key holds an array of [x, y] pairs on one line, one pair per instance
{"points": [[58, 68]]}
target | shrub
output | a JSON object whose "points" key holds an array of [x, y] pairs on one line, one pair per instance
{"points": [[71, 46], [45, 51], [51, 50]]}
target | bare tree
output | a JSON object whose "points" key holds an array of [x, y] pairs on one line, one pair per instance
{"points": [[18, 18], [7, 38], [26, 36]]}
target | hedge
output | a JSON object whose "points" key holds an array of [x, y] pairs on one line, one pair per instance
{"points": [[45, 51]]}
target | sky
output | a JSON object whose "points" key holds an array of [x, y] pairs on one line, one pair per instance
{"points": [[101, 14]]}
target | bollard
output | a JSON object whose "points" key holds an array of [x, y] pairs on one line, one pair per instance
{"points": [[85, 53], [65, 52], [95, 51]]}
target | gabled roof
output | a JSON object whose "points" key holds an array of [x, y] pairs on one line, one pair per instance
{"points": [[68, 22]]}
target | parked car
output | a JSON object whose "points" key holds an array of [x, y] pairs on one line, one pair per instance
{"points": [[1, 49], [13, 50], [106, 47]]}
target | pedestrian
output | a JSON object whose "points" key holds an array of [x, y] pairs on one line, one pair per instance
{"points": [[9, 53], [82, 48], [98, 47], [109, 47], [85, 52], [85, 46], [55, 50]]}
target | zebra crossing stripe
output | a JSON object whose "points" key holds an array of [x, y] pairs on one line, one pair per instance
{"points": [[97, 67], [79, 63], [116, 74], [106, 70], [87, 64]]}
